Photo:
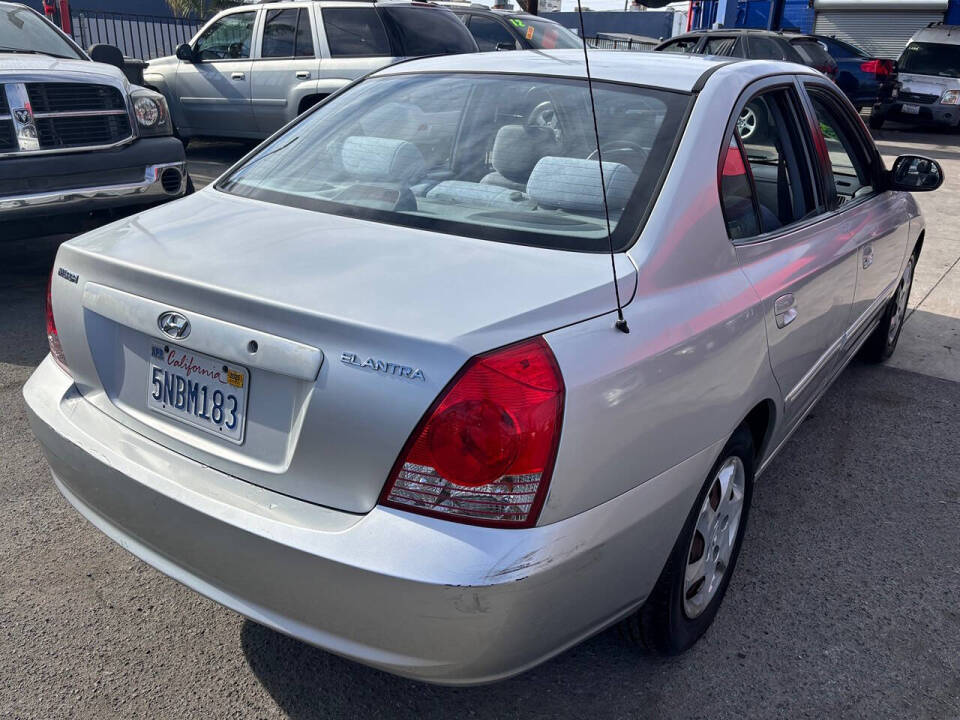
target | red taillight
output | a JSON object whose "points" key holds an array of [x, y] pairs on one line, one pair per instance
{"points": [[880, 68], [484, 452], [53, 339]]}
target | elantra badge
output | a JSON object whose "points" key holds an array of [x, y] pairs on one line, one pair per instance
{"points": [[382, 366], [174, 325]]}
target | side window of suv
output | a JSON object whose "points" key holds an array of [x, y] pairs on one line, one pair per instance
{"points": [[765, 48], [227, 39], [355, 32], [766, 180], [719, 46], [490, 34], [286, 34], [685, 45], [848, 159]]}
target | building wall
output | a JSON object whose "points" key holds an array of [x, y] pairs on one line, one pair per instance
{"points": [[651, 24]]}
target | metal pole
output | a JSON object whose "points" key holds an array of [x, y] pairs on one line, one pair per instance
{"points": [[775, 19]]}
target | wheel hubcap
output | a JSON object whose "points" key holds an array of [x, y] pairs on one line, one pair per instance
{"points": [[901, 299], [714, 536]]}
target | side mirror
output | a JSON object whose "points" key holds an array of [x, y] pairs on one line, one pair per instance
{"points": [[506, 46], [915, 173], [107, 54], [185, 52]]}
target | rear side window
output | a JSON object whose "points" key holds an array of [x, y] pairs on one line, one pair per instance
{"points": [[719, 46], [490, 34], [765, 48], [814, 55], [286, 33], [772, 148], [355, 32], [418, 31], [686, 45]]}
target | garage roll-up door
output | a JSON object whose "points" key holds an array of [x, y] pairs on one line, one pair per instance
{"points": [[883, 33]]}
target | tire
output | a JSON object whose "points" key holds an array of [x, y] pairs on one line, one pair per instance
{"points": [[876, 121], [883, 340], [677, 613]]}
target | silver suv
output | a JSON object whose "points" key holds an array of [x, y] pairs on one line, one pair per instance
{"points": [[252, 69], [929, 92]]}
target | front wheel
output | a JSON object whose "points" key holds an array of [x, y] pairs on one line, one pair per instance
{"points": [[881, 344], [693, 582]]}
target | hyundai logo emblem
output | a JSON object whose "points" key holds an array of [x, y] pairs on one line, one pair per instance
{"points": [[174, 325]]}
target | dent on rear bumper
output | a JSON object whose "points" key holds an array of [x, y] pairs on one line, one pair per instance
{"points": [[421, 597]]}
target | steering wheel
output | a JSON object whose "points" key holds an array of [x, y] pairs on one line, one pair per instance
{"points": [[545, 115], [627, 153]]}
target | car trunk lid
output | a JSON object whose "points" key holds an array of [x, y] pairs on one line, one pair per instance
{"points": [[343, 331]]}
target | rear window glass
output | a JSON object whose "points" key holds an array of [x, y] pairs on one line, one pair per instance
{"points": [[507, 158], [418, 31], [355, 32], [765, 48]]}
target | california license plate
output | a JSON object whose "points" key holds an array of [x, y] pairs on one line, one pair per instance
{"points": [[199, 390], [910, 109]]}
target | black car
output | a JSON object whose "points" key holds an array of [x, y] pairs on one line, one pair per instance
{"points": [[512, 29], [755, 45]]}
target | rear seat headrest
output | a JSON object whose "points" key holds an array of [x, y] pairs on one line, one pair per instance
{"points": [[382, 159], [573, 184], [517, 148]]}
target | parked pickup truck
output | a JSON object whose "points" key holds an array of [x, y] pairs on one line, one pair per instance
{"points": [[75, 135], [254, 68]]}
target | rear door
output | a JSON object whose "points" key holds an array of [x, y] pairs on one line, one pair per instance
{"points": [[876, 222], [214, 90], [353, 41], [788, 245], [286, 67]]}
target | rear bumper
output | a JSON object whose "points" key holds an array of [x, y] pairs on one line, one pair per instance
{"points": [[144, 172], [936, 114], [416, 596]]}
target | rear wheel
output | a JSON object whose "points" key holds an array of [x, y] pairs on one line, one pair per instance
{"points": [[881, 344], [693, 582], [876, 120]]}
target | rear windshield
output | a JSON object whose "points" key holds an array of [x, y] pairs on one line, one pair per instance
{"points": [[813, 54], [505, 158], [544, 34], [931, 59], [418, 31]]}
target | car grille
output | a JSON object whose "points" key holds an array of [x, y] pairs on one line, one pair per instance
{"points": [[6, 125], [67, 115], [919, 98]]}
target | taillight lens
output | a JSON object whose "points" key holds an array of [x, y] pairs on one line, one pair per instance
{"points": [[880, 68], [53, 339], [484, 452]]}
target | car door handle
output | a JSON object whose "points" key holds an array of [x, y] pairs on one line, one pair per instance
{"points": [[238, 76], [303, 74], [785, 310], [867, 256]]}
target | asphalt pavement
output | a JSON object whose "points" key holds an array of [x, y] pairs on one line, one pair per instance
{"points": [[844, 602]]}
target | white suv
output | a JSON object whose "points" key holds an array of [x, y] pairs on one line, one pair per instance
{"points": [[252, 69]]}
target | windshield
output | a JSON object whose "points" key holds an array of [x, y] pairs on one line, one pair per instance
{"points": [[507, 158], [544, 34], [21, 29], [931, 59]]}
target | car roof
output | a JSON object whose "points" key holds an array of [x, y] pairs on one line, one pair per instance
{"points": [[681, 72], [938, 33]]}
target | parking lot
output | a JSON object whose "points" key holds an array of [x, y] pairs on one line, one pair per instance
{"points": [[844, 603]]}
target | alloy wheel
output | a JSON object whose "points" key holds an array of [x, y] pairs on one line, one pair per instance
{"points": [[900, 299], [714, 536]]}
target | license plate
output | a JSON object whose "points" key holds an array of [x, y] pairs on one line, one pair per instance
{"points": [[909, 109], [198, 390]]}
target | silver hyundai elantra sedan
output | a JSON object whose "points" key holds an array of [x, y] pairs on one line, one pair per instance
{"points": [[368, 388]]}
